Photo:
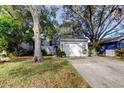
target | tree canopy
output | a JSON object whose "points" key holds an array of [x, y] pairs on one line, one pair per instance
{"points": [[95, 22]]}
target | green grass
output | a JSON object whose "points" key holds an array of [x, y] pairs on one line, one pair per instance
{"points": [[52, 72]]}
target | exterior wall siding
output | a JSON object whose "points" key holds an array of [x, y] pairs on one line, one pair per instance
{"points": [[112, 45], [121, 43]]}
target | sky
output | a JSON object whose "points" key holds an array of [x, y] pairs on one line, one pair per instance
{"points": [[58, 13], [58, 16]]}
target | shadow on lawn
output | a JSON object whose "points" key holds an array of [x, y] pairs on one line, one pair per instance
{"points": [[21, 59], [40, 68], [26, 59]]}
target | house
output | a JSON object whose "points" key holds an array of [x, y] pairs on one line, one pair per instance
{"points": [[109, 45], [26, 46], [45, 45], [74, 46]]}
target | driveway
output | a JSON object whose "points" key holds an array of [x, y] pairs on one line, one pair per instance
{"points": [[100, 72]]}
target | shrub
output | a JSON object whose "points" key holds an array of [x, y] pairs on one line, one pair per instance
{"points": [[120, 52], [90, 51], [10, 35], [63, 54], [22, 52], [44, 53], [60, 53], [98, 48], [3, 44]]}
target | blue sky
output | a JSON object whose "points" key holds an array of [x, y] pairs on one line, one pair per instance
{"points": [[58, 16], [58, 13]]}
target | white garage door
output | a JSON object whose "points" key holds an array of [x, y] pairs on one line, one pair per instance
{"points": [[73, 50], [110, 52]]}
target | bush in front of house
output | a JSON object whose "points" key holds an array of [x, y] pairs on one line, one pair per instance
{"points": [[120, 52], [94, 50], [90, 51], [44, 53], [60, 53], [23, 52], [63, 54]]}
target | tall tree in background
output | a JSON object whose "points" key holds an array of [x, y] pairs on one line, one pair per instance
{"points": [[95, 22], [10, 16], [41, 18], [36, 12], [43, 22]]}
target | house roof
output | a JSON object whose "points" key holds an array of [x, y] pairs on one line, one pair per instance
{"points": [[74, 40], [72, 37], [115, 39]]}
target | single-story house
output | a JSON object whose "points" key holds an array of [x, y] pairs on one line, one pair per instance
{"points": [[45, 45], [74, 47], [109, 45]]}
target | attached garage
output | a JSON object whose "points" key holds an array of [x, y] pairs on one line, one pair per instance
{"points": [[74, 47]]}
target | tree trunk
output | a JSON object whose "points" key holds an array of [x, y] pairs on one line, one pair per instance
{"points": [[37, 47], [35, 11], [94, 45]]}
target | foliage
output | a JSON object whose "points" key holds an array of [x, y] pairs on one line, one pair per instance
{"points": [[120, 52], [63, 54], [44, 52], [52, 72], [67, 33], [3, 44], [90, 51], [97, 47], [10, 34], [23, 52], [94, 21], [60, 53], [27, 36]]}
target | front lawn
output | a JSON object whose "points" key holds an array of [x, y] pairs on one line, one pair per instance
{"points": [[52, 72]]}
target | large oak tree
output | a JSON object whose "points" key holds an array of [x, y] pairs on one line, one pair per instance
{"points": [[40, 18], [36, 12], [95, 22]]}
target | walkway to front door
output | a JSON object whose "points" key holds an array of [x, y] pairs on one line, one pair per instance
{"points": [[100, 72]]}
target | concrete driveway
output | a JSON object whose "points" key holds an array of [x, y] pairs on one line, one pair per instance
{"points": [[100, 72]]}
